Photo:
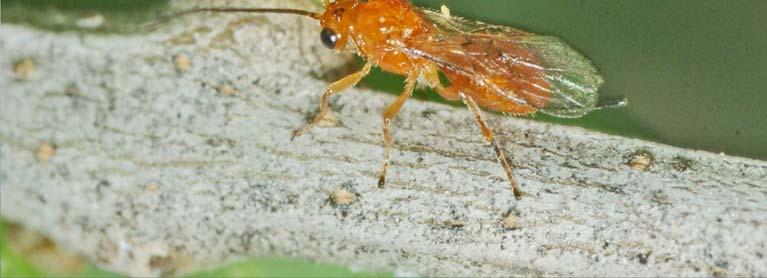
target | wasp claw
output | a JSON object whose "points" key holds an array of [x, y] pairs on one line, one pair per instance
{"points": [[381, 181], [518, 194]]}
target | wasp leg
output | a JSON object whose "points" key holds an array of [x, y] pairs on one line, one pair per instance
{"points": [[334, 89], [432, 78], [490, 136], [388, 115]]}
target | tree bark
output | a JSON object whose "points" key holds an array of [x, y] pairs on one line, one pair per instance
{"points": [[118, 147]]}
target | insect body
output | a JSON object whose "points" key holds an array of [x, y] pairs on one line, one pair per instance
{"points": [[494, 67]]}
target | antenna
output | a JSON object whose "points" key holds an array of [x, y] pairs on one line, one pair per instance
{"points": [[169, 17]]}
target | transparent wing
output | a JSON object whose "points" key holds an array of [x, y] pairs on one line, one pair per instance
{"points": [[546, 73]]}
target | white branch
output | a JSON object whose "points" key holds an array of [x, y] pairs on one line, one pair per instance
{"points": [[150, 165]]}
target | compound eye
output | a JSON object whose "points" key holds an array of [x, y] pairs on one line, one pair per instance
{"points": [[329, 38]]}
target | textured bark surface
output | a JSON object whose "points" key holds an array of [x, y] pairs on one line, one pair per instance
{"points": [[113, 146]]}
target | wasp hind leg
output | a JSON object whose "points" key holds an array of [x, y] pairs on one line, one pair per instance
{"points": [[490, 136], [388, 115], [432, 77], [334, 89]]}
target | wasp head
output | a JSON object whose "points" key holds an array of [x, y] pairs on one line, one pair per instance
{"points": [[335, 24]]}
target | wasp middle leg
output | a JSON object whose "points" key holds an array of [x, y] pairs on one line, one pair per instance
{"points": [[388, 115]]}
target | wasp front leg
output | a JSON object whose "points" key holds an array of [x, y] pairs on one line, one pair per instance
{"points": [[334, 89], [388, 115], [490, 136]]}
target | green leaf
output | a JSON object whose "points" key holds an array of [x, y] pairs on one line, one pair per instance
{"points": [[12, 265]]}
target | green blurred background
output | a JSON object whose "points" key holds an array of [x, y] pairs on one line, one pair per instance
{"points": [[691, 69]]}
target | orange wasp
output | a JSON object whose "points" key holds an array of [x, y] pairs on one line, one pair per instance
{"points": [[499, 68]]}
